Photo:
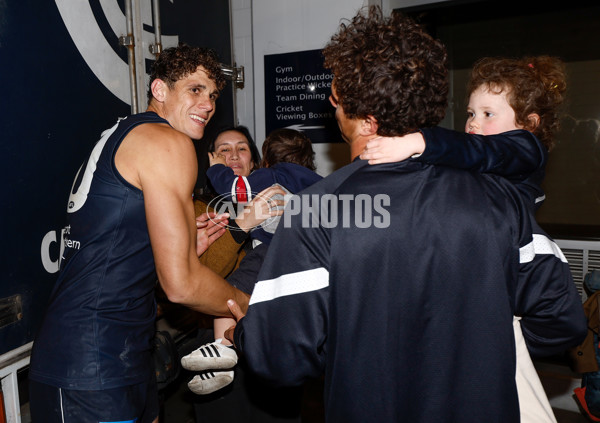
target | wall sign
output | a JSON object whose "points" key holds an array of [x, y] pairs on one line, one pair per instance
{"points": [[297, 90]]}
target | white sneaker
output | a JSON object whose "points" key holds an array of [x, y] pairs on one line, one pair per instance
{"points": [[209, 382], [213, 355]]}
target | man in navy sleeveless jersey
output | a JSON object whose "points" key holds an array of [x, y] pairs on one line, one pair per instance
{"points": [[130, 221], [406, 276]]}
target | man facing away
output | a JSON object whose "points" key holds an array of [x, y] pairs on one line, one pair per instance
{"points": [[409, 314], [130, 219]]}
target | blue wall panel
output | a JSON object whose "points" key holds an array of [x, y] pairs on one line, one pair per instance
{"points": [[52, 111]]}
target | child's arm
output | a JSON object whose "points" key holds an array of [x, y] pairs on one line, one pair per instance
{"points": [[514, 154], [224, 254], [241, 188], [393, 149]]}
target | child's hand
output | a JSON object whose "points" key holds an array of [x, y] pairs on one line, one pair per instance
{"points": [[393, 149], [215, 158]]}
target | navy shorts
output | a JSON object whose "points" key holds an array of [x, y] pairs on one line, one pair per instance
{"points": [[127, 404]]}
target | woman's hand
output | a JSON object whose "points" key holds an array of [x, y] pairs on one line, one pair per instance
{"points": [[210, 226], [261, 208]]}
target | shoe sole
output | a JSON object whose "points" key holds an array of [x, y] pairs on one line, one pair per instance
{"points": [[208, 358], [209, 382]]}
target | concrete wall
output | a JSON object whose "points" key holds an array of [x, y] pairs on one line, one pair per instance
{"points": [[263, 27]]}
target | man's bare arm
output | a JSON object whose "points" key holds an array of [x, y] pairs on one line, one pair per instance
{"points": [[166, 170]]}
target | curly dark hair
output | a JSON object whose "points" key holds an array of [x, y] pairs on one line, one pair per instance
{"points": [[289, 146], [389, 68], [175, 63], [532, 85]]}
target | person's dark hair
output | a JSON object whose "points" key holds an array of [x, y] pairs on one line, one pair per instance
{"points": [[289, 146], [532, 85], [246, 133], [175, 63], [205, 192], [389, 68]]}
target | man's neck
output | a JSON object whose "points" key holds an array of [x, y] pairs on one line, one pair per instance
{"points": [[358, 146], [152, 107]]}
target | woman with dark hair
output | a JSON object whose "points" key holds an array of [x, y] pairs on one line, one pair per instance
{"points": [[249, 398], [289, 162], [243, 158], [245, 133]]}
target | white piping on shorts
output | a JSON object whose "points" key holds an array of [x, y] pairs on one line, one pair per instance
{"points": [[62, 412]]}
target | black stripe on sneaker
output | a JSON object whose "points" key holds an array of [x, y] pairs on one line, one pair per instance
{"points": [[207, 351]]}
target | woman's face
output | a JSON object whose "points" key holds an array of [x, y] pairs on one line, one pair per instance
{"points": [[236, 149]]}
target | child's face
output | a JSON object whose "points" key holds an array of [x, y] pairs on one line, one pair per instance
{"points": [[489, 113], [235, 148]]}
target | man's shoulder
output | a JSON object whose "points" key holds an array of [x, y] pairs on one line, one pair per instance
{"points": [[142, 118], [152, 144], [292, 168], [156, 131], [360, 177], [333, 181], [302, 175], [359, 174]]}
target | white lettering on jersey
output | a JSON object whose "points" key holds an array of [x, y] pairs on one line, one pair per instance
{"points": [[77, 199], [52, 266]]}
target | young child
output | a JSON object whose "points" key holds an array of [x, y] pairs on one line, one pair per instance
{"points": [[288, 160], [504, 95]]}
